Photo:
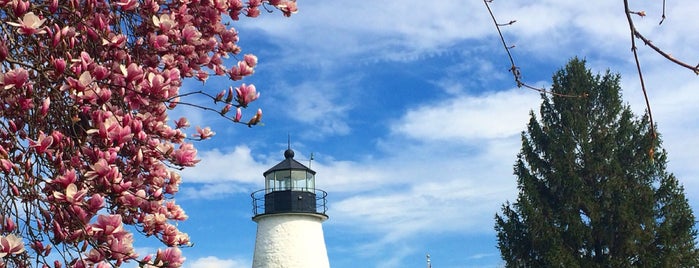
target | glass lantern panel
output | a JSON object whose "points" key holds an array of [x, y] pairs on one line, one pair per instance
{"points": [[298, 178], [283, 180], [269, 182], [310, 182]]}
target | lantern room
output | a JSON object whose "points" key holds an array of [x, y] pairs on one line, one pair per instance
{"points": [[289, 175], [289, 188]]}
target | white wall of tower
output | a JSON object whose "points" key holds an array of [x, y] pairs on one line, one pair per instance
{"points": [[290, 240]]}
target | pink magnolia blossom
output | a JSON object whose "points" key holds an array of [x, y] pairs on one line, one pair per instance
{"points": [[95, 203], [132, 73], [250, 60], [69, 177], [115, 133], [191, 34], [100, 72], [288, 8], [229, 38], [202, 76], [229, 96], [252, 12], [127, 4], [21, 7], [246, 94], [110, 231], [81, 83], [185, 155], [4, 50], [6, 165], [254, 3], [15, 78], [172, 236], [173, 183], [160, 42], [164, 22], [85, 60], [45, 107], [42, 144], [100, 169], [100, 77], [241, 70], [226, 108], [182, 123], [115, 40], [204, 133], [110, 225], [9, 225], [30, 24], [219, 96], [11, 244], [256, 118], [71, 195], [170, 257], [60, 65], [238, 114]]}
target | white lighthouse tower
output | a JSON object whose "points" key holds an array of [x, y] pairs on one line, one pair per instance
{"points": [[289, 213]]}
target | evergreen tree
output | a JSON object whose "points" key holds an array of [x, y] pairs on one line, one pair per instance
{"points": [[592, 192]]}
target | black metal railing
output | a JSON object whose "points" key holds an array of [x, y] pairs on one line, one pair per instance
{"points": [[260, 205]]}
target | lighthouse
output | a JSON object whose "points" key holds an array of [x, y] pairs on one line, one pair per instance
{"points": [[289, 213]]}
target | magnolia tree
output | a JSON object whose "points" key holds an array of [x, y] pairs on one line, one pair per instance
{"points": [[86, 146]]}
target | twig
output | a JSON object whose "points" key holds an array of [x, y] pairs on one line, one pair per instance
{"points": [[662, 18], [514, 69], [648, 42], [634, 49]]}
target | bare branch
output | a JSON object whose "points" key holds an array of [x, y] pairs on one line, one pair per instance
{"points": [[634, 49], [516, 73], [663, 16]]}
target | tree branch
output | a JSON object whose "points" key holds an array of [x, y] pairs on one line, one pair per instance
{"points": [[516, 73], [634, 49]]}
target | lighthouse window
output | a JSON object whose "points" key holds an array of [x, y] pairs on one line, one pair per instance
{"points": [[269, 182], [298, 178], [299, 185], [282, 185], [284, 180], [310, 182]]}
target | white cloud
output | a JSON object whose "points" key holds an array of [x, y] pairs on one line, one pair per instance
{"points": [[436, 206], [371, 29], [425, 188], [319, 104], [466, 118], [211, 190], [324, 32], [349, 176], [219, 166], [424, 191], [215, 262], [329, 34]]}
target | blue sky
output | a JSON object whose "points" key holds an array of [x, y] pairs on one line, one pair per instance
{"points": [[414, 120]]}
